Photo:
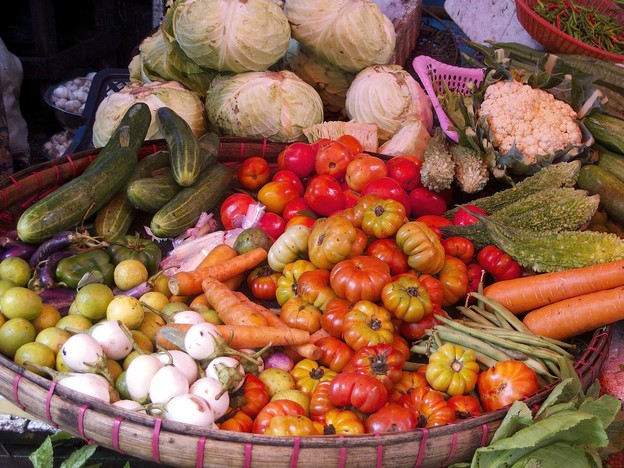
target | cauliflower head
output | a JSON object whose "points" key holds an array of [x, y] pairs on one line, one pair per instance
{"points": [[531, 119]]}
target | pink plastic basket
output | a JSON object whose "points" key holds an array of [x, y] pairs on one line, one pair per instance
{"points": [[432, 73]]}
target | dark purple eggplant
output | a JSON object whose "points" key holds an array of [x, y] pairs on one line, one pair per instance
{"points": [[61, 298], [21, 250], [60, 241], [48, 267], [136, 292]]}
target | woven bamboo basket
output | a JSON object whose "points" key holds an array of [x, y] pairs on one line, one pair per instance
{"points": [[179, 444]]}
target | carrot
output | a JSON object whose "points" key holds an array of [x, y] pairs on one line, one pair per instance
{"points": [[218, 255], [308, 350], [317, 335], [231, 309], [200, 301], [190, 282], [571, 317], [243, 336], [528, 293]]}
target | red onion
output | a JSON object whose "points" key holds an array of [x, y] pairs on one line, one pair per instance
{"points": [[279, 360]]}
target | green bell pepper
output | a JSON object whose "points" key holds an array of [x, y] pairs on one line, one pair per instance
{"points": [[136, 248], [72, 269]]}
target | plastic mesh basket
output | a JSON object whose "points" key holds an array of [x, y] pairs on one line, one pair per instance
{"points": [[433, 73], [553, 39]]}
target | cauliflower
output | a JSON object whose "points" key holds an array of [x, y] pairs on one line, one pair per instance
{"points": [[531, 119], [438, 169]]}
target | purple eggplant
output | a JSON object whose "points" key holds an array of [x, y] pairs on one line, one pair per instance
{"points": [[136, 292], [48, 267], [60, 241], [21, 250], [61, 298]]}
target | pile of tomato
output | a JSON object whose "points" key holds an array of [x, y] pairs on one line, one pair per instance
{"points": [[358, 261]]}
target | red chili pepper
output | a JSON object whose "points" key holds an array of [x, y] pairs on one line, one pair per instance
{"points": [[559, 21]]}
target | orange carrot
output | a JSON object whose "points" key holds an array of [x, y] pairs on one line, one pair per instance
{"points": [[317, 335], [200, 301], [218, 255], [245, 336], [308, 350], [190, 282], [231, 309], [528, 293], [571, 317]]}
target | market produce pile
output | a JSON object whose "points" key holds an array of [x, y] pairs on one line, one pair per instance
{"points": [[374, 278]]}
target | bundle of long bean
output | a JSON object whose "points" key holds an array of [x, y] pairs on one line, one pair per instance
{"points": [[495, 334], [584, 23]]}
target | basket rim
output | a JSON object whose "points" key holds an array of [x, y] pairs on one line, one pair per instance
{"points": [[421, 64], [596, 349], [526, 15]]}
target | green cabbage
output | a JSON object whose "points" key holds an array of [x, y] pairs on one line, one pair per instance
{"points": [[230, 35], [274, 105], [387, 95], [329, 81], [111, 110], [350, 34]]}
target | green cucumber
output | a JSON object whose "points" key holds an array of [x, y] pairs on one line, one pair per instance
{"points": [[611, 162], [150, 194], [606, 130], [185, 208], [183, 147], [137, 116], [611, 190], [114, 219], [77, 200]]}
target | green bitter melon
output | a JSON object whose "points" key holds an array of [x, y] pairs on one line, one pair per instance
{"points": [[549, 251], [562, 209]]}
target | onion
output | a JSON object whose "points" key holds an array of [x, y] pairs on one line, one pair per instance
{"points": [[279, 360]]}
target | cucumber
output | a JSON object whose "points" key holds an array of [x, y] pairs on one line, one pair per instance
{"points": [[607, 130], [137, 116], [150, 194], [75, 201], [611, 190], [184, 151], [184, 209], [611, 162], [114, 218]]}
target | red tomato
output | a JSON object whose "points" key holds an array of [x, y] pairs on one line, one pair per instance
{"points": [[317, 144], [364, 169], [390, 418], [405, 171], [275, 196], [351, 198], [426, 202], [505, 383], [324, 195], [301, 219], [253, 173], [435, 222], [463, 217], [332, 158], [390, 253], [295, 207], [262, 282], [465, 406], [352, 143], [234, 208], [299, 158], [361, 391], [273, 224], [417, 330], [289, 176], [386, 188], [497, 263], [275, 408]]}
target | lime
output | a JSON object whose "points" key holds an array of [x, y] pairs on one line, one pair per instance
{"points": [[53, 338], [35, 353], [154, 299], [20, 302], [93, 299], [15, 269], [129, 273], [128, 309], [74, 323], [15, 333], [5, 284]]}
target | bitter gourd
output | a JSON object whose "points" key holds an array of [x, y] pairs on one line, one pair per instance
{"points": [[563, 209], [547, 251], [564, 174]]}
